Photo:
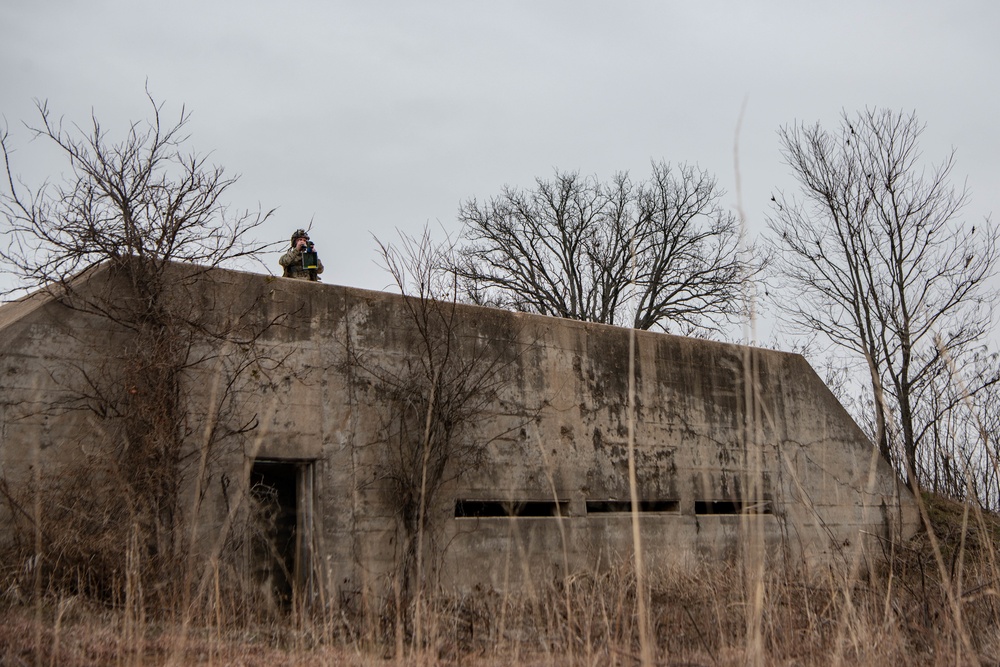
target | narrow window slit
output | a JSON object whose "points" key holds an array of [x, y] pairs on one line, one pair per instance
{"points": [[625, 506], [510, 508], [731, 507]]}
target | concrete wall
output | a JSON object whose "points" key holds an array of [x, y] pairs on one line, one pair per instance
{"points": [[717, 427]]}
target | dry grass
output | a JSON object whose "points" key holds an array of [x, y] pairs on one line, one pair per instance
{"points": [[900, 612]]}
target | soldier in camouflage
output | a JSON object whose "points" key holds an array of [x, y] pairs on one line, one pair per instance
{"points": [[291, 261]]}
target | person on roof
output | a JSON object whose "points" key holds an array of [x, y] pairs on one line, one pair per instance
{"points": [[301, 261]]}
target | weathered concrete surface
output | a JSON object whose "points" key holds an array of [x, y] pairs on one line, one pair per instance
{"points": [[713, 423]]}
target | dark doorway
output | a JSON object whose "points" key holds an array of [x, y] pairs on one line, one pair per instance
{"points": [[281, 494]]}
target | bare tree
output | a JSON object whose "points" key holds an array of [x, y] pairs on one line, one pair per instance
{"points": [[144, 220], [656, 253], [958, 430], [436, 395], [978, 444], [873, 256], [135, 204]]}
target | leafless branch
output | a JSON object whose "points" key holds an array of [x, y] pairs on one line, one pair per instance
{"points": [[659, 253], [873, 255]]}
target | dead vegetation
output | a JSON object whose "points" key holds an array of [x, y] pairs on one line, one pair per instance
{"points": [[932, 601]]}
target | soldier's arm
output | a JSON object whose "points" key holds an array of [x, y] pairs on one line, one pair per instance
{"points": [[291, 257]]}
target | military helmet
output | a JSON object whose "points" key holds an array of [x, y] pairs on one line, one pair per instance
{"points": [[299, 234]]}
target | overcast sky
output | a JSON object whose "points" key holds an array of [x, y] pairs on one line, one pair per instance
{"points": [[368, 117]]}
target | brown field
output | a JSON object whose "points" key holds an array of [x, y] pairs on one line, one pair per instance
{"points": [[933, 601]]}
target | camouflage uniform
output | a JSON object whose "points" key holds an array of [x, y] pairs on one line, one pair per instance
{"points": [[291, 261]]}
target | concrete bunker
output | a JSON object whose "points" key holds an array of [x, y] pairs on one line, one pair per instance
{"points": [[725, 436]]}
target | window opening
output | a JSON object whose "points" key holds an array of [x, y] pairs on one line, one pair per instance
{"points": [[510, 508], [731, 507], [625, 506]]}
